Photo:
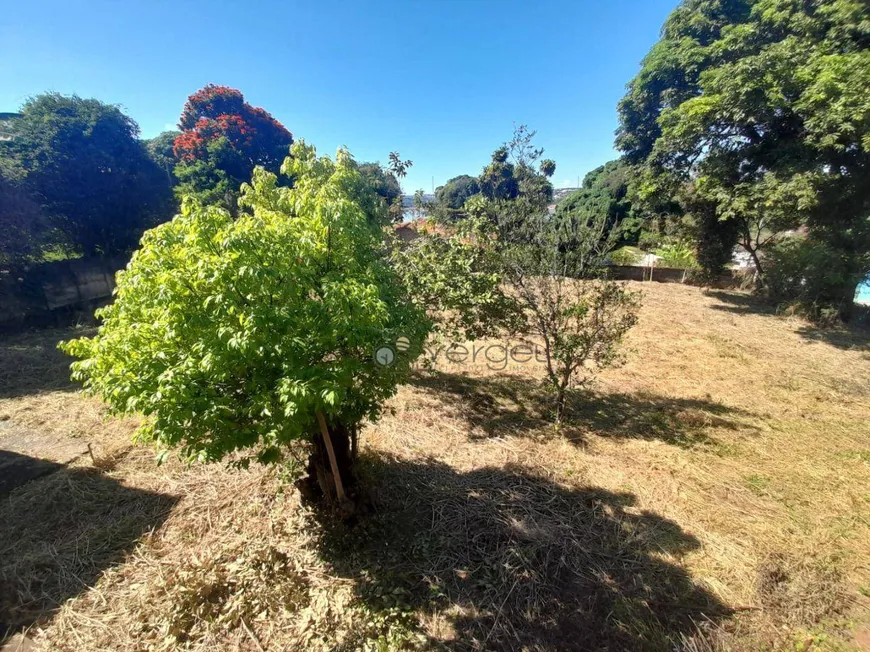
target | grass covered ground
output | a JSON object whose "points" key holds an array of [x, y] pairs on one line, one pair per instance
{"points": [[713, 493]]}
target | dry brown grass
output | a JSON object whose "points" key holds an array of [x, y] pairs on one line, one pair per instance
{"points": [[712, 494]]}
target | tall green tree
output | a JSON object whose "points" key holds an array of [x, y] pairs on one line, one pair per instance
{"points": [[89, 172], [161, 150], [604, 193], [762, 106], [222, 139], [517, 185], [386, 186], [451, 197]]}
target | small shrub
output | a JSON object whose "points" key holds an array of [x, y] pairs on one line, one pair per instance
{"points": [[626, 256], [580, 319], [677, 255]]}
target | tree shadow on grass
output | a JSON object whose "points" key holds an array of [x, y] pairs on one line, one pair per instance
{"points": [[506, 405], [851, 337], [740, 303], [855, 335], [497, 558], [59, 532], [31, 362]]}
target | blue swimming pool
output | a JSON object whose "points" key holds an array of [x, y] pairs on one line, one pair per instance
{"points": [[863, 293]]}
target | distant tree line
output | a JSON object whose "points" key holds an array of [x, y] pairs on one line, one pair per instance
{"points": [[748, 126], [77, 180]]}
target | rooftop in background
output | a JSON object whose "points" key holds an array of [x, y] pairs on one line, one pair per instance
{"points": [[560, 193]]}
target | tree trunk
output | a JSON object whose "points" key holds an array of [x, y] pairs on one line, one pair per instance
{"points": [[561, 400], [845, 302], [759, 273], [318, 485]]}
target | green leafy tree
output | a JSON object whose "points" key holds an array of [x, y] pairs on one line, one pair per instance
{"points": [[451, 197], [386, 185], [161, 150], [807, 270], [762, 104], [89, 172], [255, 334], [497, 181], [505, 268], [605, 192], [457, 278], [517, 185], [222, 139], [577, 316], [22, 226]]}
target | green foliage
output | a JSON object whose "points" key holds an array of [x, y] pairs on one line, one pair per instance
{"points": [[88, 171], [579, 317], [497, 181], [626, 256], [761, 104], [605, 192], [517, 187], [386, 185], [581, 322], [230, 334], [161, 150], [715, 236], [21, 222], [813, 277], [397, 166], [451, 197], [457, 278], [678, 255], [211, 179]]}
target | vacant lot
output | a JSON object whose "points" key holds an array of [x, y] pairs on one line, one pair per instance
{"points": [[713, 493]]}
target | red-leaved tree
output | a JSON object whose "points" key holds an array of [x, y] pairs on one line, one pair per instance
{"points": [[222, 139]]}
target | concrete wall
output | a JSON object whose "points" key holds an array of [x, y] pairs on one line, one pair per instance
{"points": [[57, 292], [669, 275]]}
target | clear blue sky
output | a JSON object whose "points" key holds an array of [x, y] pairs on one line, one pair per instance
{"points": [[441, 82]]}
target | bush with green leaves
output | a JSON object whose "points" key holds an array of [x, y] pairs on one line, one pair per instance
{"points": [[456, 275], [808, 275], [677, 255], [231, 335], [626, 256]]}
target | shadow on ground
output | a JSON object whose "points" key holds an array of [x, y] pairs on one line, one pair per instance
{"points": [[740, 303], [502, 405], [496, 558], [58, 533], [845, 336], [31, 362]]}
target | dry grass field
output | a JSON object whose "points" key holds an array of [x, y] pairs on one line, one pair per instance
{"points": [[711, 494]]}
